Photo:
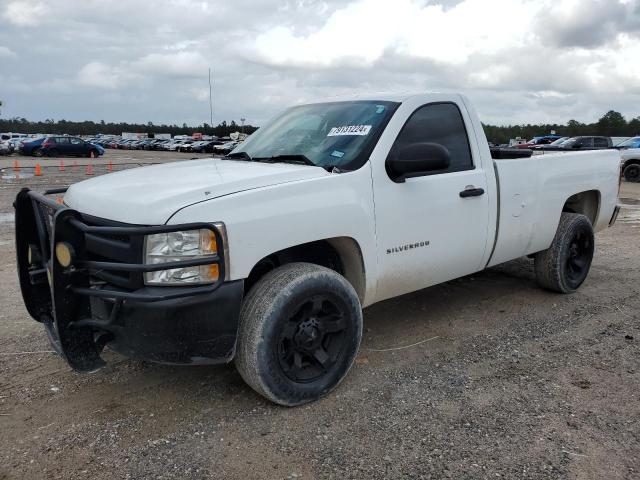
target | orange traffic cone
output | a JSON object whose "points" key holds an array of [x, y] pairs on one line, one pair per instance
{"points": [[38, 172], [110, 166], [89, 170], [16, 166], [61, 167]]}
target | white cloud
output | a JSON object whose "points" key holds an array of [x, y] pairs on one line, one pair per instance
{"points": [[25, 13], [519, 60], [6, 52], [360, 33], [179, 64], [96, 74]]}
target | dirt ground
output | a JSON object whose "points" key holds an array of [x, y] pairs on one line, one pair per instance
{"points": [[515, 382]]}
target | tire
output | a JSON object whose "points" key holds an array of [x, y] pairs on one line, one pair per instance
{"points": [[93, 153], [299, 333], [632, 173], [564, 266], [37, 152]]}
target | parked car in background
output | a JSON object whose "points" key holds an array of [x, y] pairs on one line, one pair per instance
{"points": [[31, 147], [99, 147], [13, 136], [5, 149], [206, 146], [555, 143], [160, 144], [582, 143], [630, 154], [225, 148], [152, 143], [538, 141], [15, 142], [173, 146], [185, 146], [618, 140], [630, 143], [72, 146]]}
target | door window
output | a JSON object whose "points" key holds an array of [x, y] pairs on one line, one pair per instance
{"points": [[600, 142], [586, 142], [439, 123], [62, 140], [76, 141]]}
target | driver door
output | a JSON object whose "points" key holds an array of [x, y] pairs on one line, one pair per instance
{"points": [[433, 227]]}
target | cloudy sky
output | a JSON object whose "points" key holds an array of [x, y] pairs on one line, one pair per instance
{"points": [[126, 60]]}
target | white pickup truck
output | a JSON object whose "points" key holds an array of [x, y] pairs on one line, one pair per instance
{"points": [[267, 256]]}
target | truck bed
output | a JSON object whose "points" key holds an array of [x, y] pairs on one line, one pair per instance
{"points": [[530, 190]]}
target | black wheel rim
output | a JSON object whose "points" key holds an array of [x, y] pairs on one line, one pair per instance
{"points": [[632, 173], [313, 339], [579, 258]]}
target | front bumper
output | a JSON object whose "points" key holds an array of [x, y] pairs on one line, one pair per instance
{"points": [[195, 329], [101, 299]]}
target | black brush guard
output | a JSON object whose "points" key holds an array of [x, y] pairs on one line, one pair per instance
{"points": [[61, 297]]}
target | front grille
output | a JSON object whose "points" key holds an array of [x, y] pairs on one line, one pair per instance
{"points": [[116, 248]]}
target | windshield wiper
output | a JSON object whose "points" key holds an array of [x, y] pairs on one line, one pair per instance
{"points": [[239, 156], [301, 159]]}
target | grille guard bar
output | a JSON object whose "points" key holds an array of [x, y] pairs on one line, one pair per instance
{"points": [[60, 297]]}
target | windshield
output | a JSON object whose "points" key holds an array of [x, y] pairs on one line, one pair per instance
{"points": [[571, 142], [337, 134], [559, 141], [631, 143]]}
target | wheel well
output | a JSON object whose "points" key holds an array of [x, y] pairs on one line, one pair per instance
{"points": [[341, 254], [585, 203]]}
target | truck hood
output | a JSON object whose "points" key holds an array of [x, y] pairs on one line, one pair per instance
{"points": [[151, 195]]}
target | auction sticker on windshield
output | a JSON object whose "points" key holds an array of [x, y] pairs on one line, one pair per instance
{"points": [[361, 130]]}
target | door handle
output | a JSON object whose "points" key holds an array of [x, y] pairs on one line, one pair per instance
{"points": [[471, 192]]}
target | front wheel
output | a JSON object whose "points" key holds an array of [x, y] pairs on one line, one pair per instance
{"points": [[300, 330], [632, 173], [564, 266]]}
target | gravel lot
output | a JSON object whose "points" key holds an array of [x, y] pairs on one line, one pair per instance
{"points": [[515, 382]]}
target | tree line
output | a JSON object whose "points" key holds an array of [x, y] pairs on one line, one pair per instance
{"points": [[612, 124], [62, 127]]}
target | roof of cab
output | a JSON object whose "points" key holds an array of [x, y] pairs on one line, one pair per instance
{"points": [[371, 96]]}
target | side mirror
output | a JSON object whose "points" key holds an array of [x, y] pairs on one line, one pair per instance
{"points": [[416, 160]]}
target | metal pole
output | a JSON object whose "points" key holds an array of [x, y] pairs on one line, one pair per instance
{"points": [[210, 102]]}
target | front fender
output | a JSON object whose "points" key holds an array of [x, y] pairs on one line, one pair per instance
{"points": [[265, 220]]}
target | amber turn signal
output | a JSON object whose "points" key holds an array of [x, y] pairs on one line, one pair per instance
{"points": [[64, 254]]}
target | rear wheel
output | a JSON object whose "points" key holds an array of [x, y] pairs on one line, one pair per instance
{"points": [[564, 266], [37, 152], [300, 329], [632, 173]]}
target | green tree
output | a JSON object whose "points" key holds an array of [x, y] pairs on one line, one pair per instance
{"points": [[611, 124]]}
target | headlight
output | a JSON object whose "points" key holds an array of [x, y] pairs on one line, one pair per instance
{"points": [[180, 246]]}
